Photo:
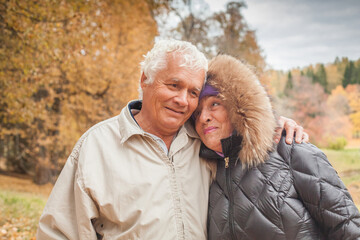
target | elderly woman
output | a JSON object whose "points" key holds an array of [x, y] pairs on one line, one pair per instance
{"points": [[263, 191]]}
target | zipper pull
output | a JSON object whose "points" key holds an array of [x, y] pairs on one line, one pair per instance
{"points": [[226, 162]]}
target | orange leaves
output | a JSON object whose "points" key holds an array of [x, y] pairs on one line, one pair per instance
{"points": [[68, 65], [16, 229]]}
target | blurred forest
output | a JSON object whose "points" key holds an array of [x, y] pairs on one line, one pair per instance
{"points": [[325, 99], [68, 64]]}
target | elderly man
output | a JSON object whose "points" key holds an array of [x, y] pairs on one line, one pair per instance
{"points": [[138, 175]]}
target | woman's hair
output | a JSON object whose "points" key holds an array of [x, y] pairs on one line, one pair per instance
{"points": [[156, 59]]}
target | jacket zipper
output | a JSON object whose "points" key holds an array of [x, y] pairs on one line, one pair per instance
{"points": [[173, 170], [226, 162], [231, 198], [171, 161]]}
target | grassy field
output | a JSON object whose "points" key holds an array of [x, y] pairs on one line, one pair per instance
{"points": [[21, 201], [347, 164]]}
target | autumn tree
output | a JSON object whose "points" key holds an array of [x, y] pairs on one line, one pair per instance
{"points": [[237, 39], [307, 102], [334, 76], [353, 94], [185, 20], [221, 32], [65, 65], [339, 125]]}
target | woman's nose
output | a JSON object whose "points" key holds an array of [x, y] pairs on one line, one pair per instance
{"points": [[204, 116]]}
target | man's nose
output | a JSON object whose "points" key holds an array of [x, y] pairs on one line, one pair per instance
{"points": [[182, 98]]}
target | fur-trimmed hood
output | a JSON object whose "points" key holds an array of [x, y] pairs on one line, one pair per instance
{"points": [[248, 105]]}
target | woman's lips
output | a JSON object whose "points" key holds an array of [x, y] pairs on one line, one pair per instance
{"points": [[209, 130]]}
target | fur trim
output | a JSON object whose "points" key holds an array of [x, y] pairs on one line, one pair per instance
{"points": [[248, 105]]}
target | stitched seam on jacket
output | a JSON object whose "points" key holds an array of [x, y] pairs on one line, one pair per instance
{"points": [[318, 206], [254, 204], [291, 171], [222, 194]]}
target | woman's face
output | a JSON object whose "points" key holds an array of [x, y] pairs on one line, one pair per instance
{"points": [[212, 122]]}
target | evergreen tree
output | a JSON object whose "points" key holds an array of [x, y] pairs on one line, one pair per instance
{"points": [[310, 72], [289, 84], [321, 77], [312, 75], [348, 74], [356, 74]]}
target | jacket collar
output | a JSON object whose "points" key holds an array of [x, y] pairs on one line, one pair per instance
{"points": [[231, 147]]}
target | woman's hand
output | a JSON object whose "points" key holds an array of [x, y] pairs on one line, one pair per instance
{"points": [[292, 130]]}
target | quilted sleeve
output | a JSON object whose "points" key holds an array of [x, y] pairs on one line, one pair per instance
{"points": [[323, 193]]}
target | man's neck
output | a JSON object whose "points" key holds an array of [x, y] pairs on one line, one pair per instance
{"points": [[167, 137]]}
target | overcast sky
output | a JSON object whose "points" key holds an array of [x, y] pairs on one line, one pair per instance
{"points": [[298, 33]]}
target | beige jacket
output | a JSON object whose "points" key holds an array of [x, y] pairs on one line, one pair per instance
{"points": [[118, 183]]}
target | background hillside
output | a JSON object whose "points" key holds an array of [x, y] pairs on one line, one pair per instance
{"points": [[324, 98]]}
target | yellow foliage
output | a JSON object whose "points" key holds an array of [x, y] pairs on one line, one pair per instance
{"points": [[333, 76], [353, 94], [64, 66], [355, 118]]}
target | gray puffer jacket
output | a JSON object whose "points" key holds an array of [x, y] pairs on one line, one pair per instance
{"points": [[295, 194], [267, 192]]}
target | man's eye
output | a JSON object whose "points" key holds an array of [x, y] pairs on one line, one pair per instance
{"points": [[173, 86], [194, 94], [215, 104]]}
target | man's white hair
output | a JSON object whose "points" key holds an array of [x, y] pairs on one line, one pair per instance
{"points": [[156, 59]]}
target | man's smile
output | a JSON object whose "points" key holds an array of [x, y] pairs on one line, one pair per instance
{"points": [[175, 111]]}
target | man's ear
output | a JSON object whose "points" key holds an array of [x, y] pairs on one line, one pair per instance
{"points": [[142, 80]]}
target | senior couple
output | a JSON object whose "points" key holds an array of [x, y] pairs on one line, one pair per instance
{"points": [[145, 174]]}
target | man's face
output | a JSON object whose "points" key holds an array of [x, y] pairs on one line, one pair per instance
{"points": [[173, 96]]}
